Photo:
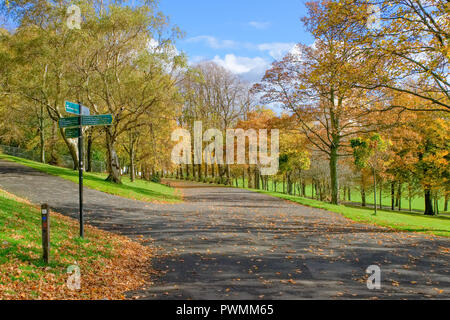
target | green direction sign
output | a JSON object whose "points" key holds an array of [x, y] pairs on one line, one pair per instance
{"points": [[69, 122], [72, 133], [75, 108], [97, 120]]}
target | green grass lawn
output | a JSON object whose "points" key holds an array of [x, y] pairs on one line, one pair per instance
{"points": [[138, 190], [404, 221], [417, 203], [24, 274]]}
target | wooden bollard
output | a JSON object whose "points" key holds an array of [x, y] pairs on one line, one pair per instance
{"points": [[45, 218]]}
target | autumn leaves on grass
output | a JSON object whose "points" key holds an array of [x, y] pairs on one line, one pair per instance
{"points": [[109, 264]]}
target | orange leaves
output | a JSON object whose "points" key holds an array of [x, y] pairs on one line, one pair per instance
{"points": [[110, 265], [290, 281]]}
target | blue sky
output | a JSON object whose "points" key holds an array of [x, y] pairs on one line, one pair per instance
{"points": [[243, 36]]}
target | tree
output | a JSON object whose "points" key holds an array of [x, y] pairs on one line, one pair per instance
{"points": [[119, 74], [370, 151], [216, 97], [318, 84], [410, 43], [421, 150]]}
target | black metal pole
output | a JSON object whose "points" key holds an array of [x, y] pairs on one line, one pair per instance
{"points": [[80, 170]]}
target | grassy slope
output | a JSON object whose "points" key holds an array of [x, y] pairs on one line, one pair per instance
{"points": [[138, 190], [109, 264], [413, 222]]}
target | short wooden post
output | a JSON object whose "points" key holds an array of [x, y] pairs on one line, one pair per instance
{"points": [[45, 214]]}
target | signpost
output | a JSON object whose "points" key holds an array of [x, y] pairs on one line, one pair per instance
{"points": [[72, 133], [97, 120], [74, 129], [45, 215], [80, 167], [74, 108], [69, 122]]}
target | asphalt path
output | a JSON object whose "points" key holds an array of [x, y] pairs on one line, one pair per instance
{"points": [[228, 243]]}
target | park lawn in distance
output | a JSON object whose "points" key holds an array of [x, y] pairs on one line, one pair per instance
{"points": [[109, 264], [417, 203], [138, 190], [411, 222]]}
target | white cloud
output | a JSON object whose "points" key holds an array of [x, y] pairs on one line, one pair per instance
{"points": [[196, 59], [259, 24], [277, 50], [251, 69], [296, 51], [213, 42]]}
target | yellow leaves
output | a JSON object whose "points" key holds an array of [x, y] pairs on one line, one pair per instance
{"points": [[439, 291]]}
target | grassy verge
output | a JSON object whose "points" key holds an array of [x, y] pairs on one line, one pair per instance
{"points": [[138, 190], [403, 221], [109, 264], [417, 203]]}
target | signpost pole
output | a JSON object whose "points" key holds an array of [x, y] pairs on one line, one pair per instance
{"points": [[80, 170], [45, 215], [74, 128]]}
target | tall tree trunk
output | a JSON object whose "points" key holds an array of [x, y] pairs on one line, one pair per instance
{"points": [[381, 195], [436, 205], [334, 174], [199, 172], [73, 149], [428, 203], [375, 191], [250, 179], [42, 134], [113, 163], [392, 196], [363, 196], [399, 197], [132, 166], [446, 202], [53, 152]]}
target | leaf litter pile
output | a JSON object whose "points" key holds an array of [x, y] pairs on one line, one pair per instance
{"points": [[109, 264]]}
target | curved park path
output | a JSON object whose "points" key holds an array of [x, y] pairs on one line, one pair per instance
{"points": [[226, 243]]}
